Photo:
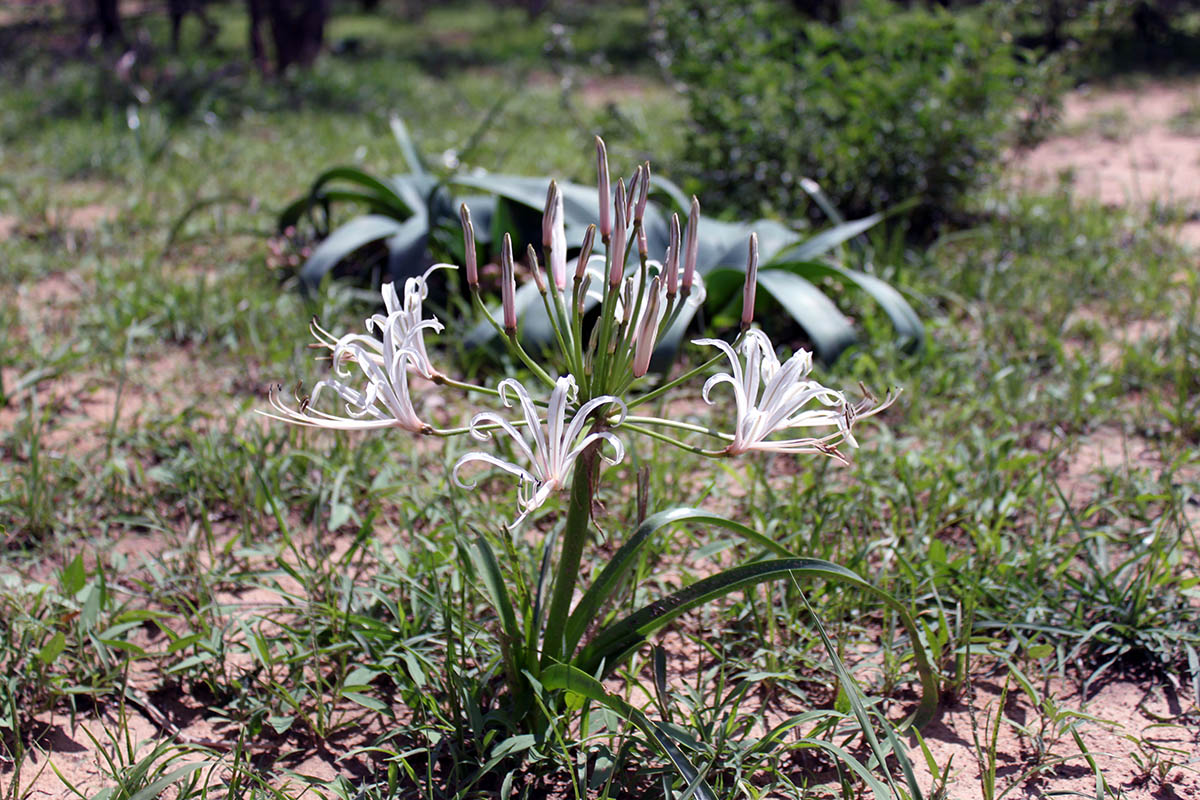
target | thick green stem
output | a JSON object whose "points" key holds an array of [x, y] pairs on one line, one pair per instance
{"points": [[575, 535]]}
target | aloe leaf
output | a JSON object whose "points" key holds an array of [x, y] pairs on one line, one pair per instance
{"points": [[388, 192], [829, 329], [565, 677], [609, 580], [902, 315], [407, 147], [407, 248], [679, 201], [616, 642], [826, 240], [344, 241]]}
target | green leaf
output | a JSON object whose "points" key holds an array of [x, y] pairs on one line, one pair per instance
{"points": [[488, 569], [407, 147], [828, 239], [73, 576], [616, 642], [608, 582], [902, 315], [154, 789], [52, 649], [345, 240], [829, 329], [567, 678]]}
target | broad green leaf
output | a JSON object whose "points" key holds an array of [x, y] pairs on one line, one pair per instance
{"points": [[345, 240], [826, 240], [829, 329], [902, 315], [615, 643], [608, 582]]}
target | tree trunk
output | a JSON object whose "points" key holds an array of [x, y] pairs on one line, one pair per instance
{"points": [[297, 30], [107, 22]]}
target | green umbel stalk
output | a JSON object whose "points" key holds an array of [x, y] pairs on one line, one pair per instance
{"points": [[574, 538]]}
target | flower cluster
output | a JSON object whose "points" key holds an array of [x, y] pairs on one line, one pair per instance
{"points": [[603, 359]]}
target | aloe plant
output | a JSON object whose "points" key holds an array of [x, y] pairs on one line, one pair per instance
{"points": [[412, 215]]}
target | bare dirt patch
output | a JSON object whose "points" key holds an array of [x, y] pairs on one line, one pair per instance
{"points": [[1125, 148]]}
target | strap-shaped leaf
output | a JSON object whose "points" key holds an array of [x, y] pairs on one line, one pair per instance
{"points": [[609, 580], [408, 148], [615, 643], [344, 241], [829, 329], [902, 315], [826, 240], [488, 570], [565, 677]]}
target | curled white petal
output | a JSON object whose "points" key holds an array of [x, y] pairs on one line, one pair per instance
{"points": [[772, 397], [550, 448]]}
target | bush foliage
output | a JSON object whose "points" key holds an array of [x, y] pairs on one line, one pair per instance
{"points": [[886, 106]]}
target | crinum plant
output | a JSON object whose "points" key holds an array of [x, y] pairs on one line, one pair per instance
{"points": [[579, 409]]}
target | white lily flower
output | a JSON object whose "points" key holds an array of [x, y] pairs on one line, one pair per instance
{"points": [[550, 451], [402, 317], [786, 391], [385, 402]]}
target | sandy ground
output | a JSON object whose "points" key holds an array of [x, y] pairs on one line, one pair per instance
{"points": [[1129, 147]]}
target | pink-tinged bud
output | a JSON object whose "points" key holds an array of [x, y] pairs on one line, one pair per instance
{"points": [[585, 252], [751, 283], [692, 250], [605, 187], [538, 278], [583, 290], [508, 287], [634, 183], [672, 265], [617, 247], [554, 236], [464, 214], [627, 302], [643, 246], [647, 332], [643, 193]]}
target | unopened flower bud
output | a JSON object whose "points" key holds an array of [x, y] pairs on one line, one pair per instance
{"points": [[508, 287], [692, 250], [617, 247], [554, 236], [634, 187], [464, 214], [585, 252], [605, 188], [627, 302], [583, 290], [647, 331], [751, 283], [672, 265], [538, 278], [643, 193]]}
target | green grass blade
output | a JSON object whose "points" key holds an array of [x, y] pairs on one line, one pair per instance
{"points": [[568, 678]]}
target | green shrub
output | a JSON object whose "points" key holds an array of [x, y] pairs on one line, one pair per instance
{"points": [[888, 105]]}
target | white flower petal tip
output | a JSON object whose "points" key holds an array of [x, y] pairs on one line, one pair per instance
{"points": [[550, 448], [772, 397], [362, 411]]}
